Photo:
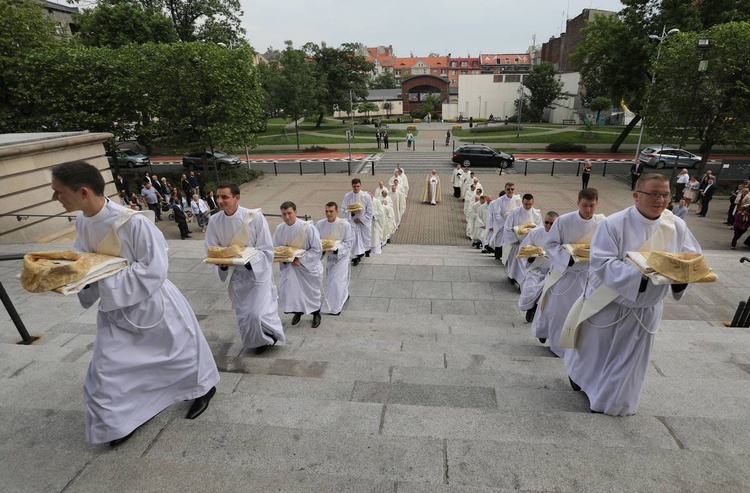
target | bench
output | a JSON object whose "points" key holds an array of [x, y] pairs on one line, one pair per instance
{"points": [[569, 122], [482, 124]]}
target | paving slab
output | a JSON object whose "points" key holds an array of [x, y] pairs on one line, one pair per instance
{"points": [[135, 474], [286, 450], [424, 395], [544, 467]]}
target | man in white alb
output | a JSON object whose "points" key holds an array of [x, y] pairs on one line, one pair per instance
{"points": [[431, 192], [506, 203], [612, 353], [536, 269], [456, 181], [251, 288], [361, 219], [302, 278], [334, 228], [525, 214], [566, 279], [149, 351]]}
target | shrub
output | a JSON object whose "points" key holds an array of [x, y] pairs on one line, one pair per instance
{"points": [[315, 149], [457, 127], [411, 128], [416, 120], [503, 128], [565, 147]]}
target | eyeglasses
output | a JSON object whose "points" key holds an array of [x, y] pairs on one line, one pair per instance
{"points": [[655, 195], [549, 222]]}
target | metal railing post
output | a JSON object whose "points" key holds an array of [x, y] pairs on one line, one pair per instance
{"points": [[526, 168], [433, 144], [349, 167], [454, 145], [275, 171], [26, 339], [578, 171], [373, 167], [300, 167], [604, 173], [396, 146], [553, 168], [324, 168]]}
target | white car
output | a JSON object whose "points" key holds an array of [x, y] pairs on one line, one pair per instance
{"points": [[667, 157]]}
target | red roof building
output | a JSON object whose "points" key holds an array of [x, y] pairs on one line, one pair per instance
{"points": [[462, 66], [505, 62]]}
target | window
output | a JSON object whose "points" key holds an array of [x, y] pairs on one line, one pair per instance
{"points": [[453, 72], [512, 78], [453, 81], [464, 64], [443, 71], [453, 64]]}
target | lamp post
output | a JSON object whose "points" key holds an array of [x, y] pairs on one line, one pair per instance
{"points": [[480, 106], [664, 35]]}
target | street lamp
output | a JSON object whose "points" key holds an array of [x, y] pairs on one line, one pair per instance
{"points": [[520, 105], [664, 35], [480, 106]]}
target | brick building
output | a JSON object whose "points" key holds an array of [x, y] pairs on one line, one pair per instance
{"points": [[505, 62], [427, 65], [462, 66], [558, 49]]}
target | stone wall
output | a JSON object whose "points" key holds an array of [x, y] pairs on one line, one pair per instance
{"points": [[26, 161]]}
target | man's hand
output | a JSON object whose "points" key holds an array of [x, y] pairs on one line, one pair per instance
{"points": [[531, 259], [571, 261], [644, 284], [356, 220], [678, 288], [296, 262], [248, 266]]}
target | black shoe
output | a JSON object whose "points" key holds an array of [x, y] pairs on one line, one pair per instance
{"points": [[316, 320], [261, 349], [512, 281], [595, 412], [574, 385], [120, 441], [530, 314], [296, 318], [542, 340], [367, 253], [200, 404], [355, 261]]}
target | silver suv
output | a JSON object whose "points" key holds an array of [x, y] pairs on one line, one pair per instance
{"points": [[667, 156]]}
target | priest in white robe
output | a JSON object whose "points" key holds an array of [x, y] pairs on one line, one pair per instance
{"points": [[471, 218], [337, 261], [404, 181], [251, 288], [490, 220], [302, 279], [149, 351], [378, 227], [507, 203], [535, 268], [469, 199], [613, 349], [525, 214], [390, 216], [566, 279], [481, 225], [396, 198], [456, 181], [361, 220], [379, 191], [431, 192]]}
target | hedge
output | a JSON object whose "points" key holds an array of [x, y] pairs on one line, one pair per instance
{"points": [[565, 147]]}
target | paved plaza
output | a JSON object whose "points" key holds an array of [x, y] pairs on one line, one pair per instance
{"points": [[429, 381]]}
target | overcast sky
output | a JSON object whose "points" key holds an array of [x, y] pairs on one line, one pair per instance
{"points": [[462, 28]]}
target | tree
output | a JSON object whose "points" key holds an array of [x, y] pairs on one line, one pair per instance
{"points": [[544, 87], [338, 71], [383, 80], [297, 89], [24, 28], [366, 107], [714, 105], [388, 106], [124, 22], [599, 104]]}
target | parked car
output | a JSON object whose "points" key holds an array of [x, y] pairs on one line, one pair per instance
{"points": [[129, 158], [482, 155], [666, 157], [220, 159]]}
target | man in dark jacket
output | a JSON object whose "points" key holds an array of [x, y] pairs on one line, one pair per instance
{"points": [[180, 219], [706, 195], [635, 173]]}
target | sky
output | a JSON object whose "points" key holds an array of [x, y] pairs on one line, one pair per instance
{"points": [[418, 27]]}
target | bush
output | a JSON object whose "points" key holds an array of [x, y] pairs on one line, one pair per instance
{"points": [[503, 128], [315, 149], [565, 147], [416, 120], [411, 128], [457, 127]]}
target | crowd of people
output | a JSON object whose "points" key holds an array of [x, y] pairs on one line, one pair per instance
{"points": [[611, 309]]}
